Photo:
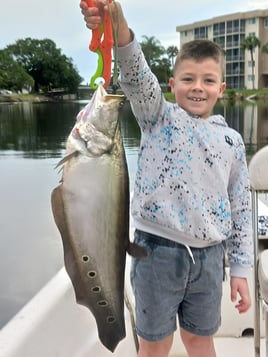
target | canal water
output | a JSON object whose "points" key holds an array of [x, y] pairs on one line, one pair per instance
{"points": [[32, 141]]}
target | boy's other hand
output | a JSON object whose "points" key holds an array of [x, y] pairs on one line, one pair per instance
{"points": [[239, 288]]}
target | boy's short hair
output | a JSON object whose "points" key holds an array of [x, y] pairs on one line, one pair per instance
{"points": [[199, 50]]}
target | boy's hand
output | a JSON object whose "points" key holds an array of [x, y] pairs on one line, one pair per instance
{"points": [[239, 286], [93, 17]]}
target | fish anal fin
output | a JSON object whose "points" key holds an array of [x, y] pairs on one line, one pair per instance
{"points": [[58, 209], [60, 220]]}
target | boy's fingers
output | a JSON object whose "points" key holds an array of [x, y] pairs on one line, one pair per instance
{"points": [[83, 5], [242, 289], [243, 305]]}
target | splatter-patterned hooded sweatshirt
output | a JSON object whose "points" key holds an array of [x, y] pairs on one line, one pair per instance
{"points": [[192, 182]]}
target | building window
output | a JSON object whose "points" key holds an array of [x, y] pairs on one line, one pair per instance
{"points": [[242, 25], [236, 26], [250, 78], [219, 29], [252, 21], [266, 22], [234, 55], [251, 64], [201, 32], [233, 26], [220, 41]]}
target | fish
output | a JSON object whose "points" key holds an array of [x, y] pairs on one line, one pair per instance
{"points": [[91, 210]]}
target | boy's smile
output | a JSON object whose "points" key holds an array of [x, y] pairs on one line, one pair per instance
{"points": [[197, 99], [198, 85]]}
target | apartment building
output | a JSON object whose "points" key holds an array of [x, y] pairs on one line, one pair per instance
{"points": [[229, 31]]}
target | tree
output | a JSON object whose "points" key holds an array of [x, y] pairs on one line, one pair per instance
{"points": [[152, 49], [265, 48], [161, 68], [172, 52], [45, 63], [250, 43], [158, 58], [12, 75]]}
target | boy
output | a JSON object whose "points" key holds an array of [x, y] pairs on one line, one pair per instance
{"points": [[191, 194]]}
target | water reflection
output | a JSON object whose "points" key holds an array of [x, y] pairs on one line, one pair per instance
{"points": [[32, 139], [250, 119], [40, 130], [36, 130]]}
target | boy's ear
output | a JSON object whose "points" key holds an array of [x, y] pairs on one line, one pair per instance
{"points": [[222, 89], [172, 84]]}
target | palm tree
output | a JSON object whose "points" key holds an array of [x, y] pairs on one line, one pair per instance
{"points": [[152, 49], [172, 52], [250, 43], [162, 69]]}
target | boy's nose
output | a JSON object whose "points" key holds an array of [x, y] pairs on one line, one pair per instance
{"points": [[197, 85]]}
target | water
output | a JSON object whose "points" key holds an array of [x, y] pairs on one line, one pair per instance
{"points": [[32, 139]]}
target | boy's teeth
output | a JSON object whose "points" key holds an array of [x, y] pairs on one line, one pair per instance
{"points": [[197, 99]]}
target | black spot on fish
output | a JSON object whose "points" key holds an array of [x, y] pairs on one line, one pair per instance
{"points": [[110, 319], [102, 303], [91, 274], [96, 289], [85, 258]]}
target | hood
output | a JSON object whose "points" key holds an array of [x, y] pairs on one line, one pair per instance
{"points": [[217, 119]]}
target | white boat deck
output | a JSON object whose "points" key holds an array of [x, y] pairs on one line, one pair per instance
{"points": [[53, 325]]}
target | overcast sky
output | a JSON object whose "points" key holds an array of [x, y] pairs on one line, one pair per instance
{"points": [[61, 21]]}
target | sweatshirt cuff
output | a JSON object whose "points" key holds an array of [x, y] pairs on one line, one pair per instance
{"points": [[237, 271]]}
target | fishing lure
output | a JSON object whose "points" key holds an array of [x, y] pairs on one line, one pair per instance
{"points": [[102, 43]]}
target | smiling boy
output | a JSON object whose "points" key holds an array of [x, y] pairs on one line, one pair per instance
{"points": [[191, 194], [198, 77]]}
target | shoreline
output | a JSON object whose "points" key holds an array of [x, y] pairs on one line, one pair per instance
{"points": [[19, 98], [229, 94]]}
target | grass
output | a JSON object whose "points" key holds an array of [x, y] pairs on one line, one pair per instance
{"points": [[232, 93], [22, 98]]}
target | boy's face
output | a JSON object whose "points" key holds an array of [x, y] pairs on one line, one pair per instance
{"points": [[198, 85]]}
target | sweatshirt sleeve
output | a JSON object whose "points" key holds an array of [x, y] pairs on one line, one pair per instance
{"points": [[140, 85], [240, 243]]}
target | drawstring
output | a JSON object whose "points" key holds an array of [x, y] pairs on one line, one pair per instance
{"points": [[190, 253]]}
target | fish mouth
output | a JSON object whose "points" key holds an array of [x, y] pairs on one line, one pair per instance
{"points": [[197, 99]]}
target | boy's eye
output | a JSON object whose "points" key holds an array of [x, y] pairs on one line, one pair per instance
{"points": [[187, 79], [210, 80]]}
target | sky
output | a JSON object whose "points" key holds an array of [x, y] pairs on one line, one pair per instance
{"points": [[62, 22]]}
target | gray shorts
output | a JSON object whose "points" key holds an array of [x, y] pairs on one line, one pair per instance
{"points": [[167, 283]]}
